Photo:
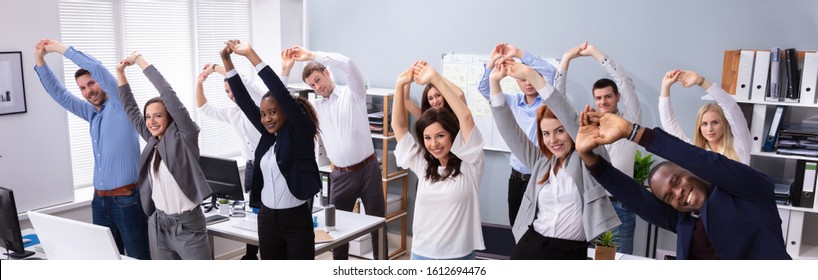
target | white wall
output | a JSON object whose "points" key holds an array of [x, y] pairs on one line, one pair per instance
{"points": [[35, 160]]}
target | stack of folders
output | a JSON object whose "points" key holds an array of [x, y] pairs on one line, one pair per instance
{"points": [[376, 122], [782, 190], [798, 139], [802, 193], [771, 75]]}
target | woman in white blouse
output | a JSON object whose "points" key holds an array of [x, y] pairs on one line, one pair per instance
{"points": [[721, 126], [431, 98], [449, 165]]}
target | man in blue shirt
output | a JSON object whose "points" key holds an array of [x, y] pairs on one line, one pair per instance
{"points": [[524, 106], [116, 202]]}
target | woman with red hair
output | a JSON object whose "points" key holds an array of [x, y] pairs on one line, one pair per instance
{"points": [[563, 207]]}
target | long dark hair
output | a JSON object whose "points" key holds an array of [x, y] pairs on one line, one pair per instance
{"points": [[424, 102], [156, 157], [449, 122], [306, 106]]}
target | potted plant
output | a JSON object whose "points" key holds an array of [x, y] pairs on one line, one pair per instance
{"points": [[224, 206], [641, 167], [605, 247]]}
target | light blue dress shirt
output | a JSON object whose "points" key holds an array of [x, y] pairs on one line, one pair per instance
{"points": [[114, 140]]}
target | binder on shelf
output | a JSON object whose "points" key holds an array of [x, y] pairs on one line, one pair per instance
{"points": [[805, 176], [809, 79], [737, 74], [793, 76], [761, 75], [772, 134], [775, 76]]}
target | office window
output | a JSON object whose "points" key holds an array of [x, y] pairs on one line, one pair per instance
{"points": [[177, 36], [218, 21], [89, 26]]}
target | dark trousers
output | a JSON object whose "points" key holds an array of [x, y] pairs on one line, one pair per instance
{"points": [[128, 223], [286, 234], [534, 246], [516, 190], [348, 187], [251, 252]]}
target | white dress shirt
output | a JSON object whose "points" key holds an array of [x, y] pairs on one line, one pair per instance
{"points": [[559, 208], [276, 193], [167, 195], [343, 117]]}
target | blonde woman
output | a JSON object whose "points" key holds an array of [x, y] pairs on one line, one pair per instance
{"points": [[721, 126]]}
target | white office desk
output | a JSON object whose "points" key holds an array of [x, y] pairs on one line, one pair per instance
{"points": [[348, 226]]}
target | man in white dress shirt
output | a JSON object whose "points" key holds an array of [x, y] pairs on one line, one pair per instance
{"points": [[345, 134]]}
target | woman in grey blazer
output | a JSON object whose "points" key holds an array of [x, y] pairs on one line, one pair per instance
{"points": [[563, 206], [171, 182]]}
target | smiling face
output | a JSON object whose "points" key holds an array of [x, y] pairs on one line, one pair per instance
{"points": [[711, 126], [555, 137], [435, 98], [606, 99], [679, 188], [321, 82], [91, 90], [437, 141], [271, 116], [156, 118]]}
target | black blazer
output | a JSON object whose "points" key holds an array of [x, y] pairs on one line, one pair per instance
{"points": [[295, 152]]}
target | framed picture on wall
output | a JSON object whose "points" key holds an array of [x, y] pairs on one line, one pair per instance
{"points": [[12, 89]]}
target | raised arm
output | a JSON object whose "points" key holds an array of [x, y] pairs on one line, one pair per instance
{"points": [[623, 187], [336, 61], [295, 116], [426, 74], [546, 70], [100, 74], [400, 122], [627, 91], [517, 140], [410, 106], [128, 101], [55, 88], [243, 100], [496, 54], [732, 112], [172, 102], [666, 114]]}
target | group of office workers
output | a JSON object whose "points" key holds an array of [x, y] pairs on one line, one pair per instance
{"points": [[571, 177]]}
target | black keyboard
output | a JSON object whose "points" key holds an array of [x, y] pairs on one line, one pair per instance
{"points": [[215, 219]]}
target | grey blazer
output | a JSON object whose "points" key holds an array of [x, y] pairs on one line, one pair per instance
{"points": [[598, 214], [179, 147]]}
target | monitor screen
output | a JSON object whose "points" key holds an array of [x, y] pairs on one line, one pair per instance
{"points": [[10, 225], [223, 177]]}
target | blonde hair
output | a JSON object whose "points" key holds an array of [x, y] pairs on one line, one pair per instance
{"points": [[727, 134]]}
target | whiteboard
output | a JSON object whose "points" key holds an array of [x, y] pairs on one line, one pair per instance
{"points": [[465, 70]]}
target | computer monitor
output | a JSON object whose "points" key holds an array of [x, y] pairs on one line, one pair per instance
{"points": [[10, 226], [66, 239], [223, 177]]}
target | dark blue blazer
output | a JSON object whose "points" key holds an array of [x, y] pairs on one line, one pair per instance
{"points": [[740, 215], [295, 149]]}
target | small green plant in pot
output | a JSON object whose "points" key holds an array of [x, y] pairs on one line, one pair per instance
{"points": [[605, 248], [224, 206]]}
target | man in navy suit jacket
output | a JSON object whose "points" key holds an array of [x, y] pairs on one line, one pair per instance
{"points": [[719, 208]]}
